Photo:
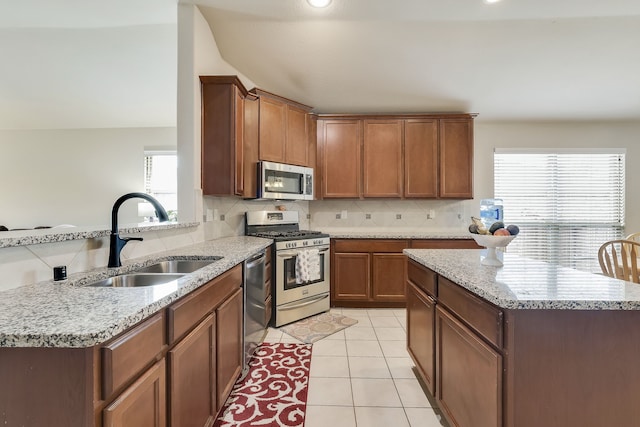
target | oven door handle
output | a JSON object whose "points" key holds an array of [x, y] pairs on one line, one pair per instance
{"points": [[303, 304], [295, 253]]}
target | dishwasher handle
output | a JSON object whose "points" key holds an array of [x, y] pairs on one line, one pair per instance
{"points": [[256, 259]]}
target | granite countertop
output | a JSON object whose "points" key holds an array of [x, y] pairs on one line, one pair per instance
{"points": [[524, 283], [412, 233], [13, 238], [67, 314]]}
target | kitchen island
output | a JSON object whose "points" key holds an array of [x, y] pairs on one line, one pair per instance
{"points": [[72, 355], [528, 344]]}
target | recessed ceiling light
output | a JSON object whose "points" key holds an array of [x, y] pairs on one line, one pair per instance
{"points": [[319, 3], [491, 1]]}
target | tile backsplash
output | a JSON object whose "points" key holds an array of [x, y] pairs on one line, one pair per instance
{"points": [[226, 214], [391, 214]]}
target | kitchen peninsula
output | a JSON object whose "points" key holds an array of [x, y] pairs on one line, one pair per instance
{"points": [[529, 344], [74, 355]]}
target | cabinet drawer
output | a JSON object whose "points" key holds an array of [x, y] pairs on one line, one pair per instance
{"points": [[370, 245], [478, 314], [127, 355], [422, 277], [187, 312]]}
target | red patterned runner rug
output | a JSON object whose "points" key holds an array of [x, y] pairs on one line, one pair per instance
{"points": [[274, 391]]}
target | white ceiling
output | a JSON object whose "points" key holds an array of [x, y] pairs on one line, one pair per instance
{"points": [[79, 63], [515, 60]]}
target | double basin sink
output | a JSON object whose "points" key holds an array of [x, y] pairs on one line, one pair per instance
{"points": [[155, 274]]}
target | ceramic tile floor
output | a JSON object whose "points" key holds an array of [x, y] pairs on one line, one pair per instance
{"points": [[362, 376]]}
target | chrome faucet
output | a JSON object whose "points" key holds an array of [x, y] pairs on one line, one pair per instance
{"points": [[116, 242]]}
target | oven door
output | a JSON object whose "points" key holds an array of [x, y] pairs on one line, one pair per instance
{"points": [[287, 290]]}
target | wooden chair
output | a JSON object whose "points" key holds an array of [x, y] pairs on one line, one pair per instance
{"points": [[633, 236], [619, 259]]}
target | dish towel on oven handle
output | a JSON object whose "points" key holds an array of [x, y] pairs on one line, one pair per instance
{"points": [[307, 266]]}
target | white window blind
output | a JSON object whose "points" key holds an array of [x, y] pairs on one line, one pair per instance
{"points": [[161, 178], [567, 203]]}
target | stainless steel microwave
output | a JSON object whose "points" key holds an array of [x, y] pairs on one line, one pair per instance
{"points": [[284, 182]]}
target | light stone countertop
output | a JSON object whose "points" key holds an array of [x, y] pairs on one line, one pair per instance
{"points": [[14, 238], [400, 233], [67, 314], [524, 283]]}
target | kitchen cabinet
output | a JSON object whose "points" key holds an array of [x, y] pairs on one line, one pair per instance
{"points": [[339, 153], [229, 337], [396, 156], [192, 367], [367, 272], [283, 129], [469, 375], [420, 333], [175, 368], [229, 137], [142, 404], [456, 159], [421, 158], [371, 272], [382, 158]]}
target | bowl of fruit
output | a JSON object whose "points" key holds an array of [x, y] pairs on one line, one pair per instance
{"points": [[496, 236]]}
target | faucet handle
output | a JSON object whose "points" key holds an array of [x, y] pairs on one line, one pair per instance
{"points": [[126, 239]]}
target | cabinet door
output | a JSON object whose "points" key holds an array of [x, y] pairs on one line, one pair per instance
{"points": [[143, 404], [192, 365], [219, 139], [351, 276], [239, 142], [229, 337], [469, 375], [297, 140], [456, 158], [382, 158], [420, 333], [341, 161], [251, 140], [388, 277], [272, 129], [421, 158]]}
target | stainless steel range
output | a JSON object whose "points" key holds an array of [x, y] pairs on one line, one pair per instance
{"points": [[301, 271]]}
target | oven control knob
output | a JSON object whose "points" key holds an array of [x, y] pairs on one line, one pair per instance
{"points": [[305, 243]]}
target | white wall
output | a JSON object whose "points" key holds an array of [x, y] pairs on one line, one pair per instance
{"points": [[490, 135], [73, 176], [198, 55]]}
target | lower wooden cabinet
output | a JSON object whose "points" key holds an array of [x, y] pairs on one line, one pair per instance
{"points": [[469, 375], [371, 272], [229, 345], [421, 310], [192, 369], [143, 404], [368, 272]]}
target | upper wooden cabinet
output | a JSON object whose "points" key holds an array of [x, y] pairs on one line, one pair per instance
{"points": [[421, 158], [229, 137], [284, 129], [339, 157], [382, 158], [456, 159], [409, 156]]}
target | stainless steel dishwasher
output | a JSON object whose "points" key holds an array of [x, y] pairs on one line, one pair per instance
{"points": [[255, 309]]}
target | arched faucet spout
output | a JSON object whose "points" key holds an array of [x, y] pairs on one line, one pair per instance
{"points": [[116, 243]]}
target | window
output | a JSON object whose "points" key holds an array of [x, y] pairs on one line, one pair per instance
{"points": [[161, 179], [566, 202]]}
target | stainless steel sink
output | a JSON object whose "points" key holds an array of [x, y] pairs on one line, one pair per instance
{"points": [[135, 280], [178, 266]]}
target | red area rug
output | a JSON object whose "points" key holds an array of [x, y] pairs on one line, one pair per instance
{"points": [[274, 391]]}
